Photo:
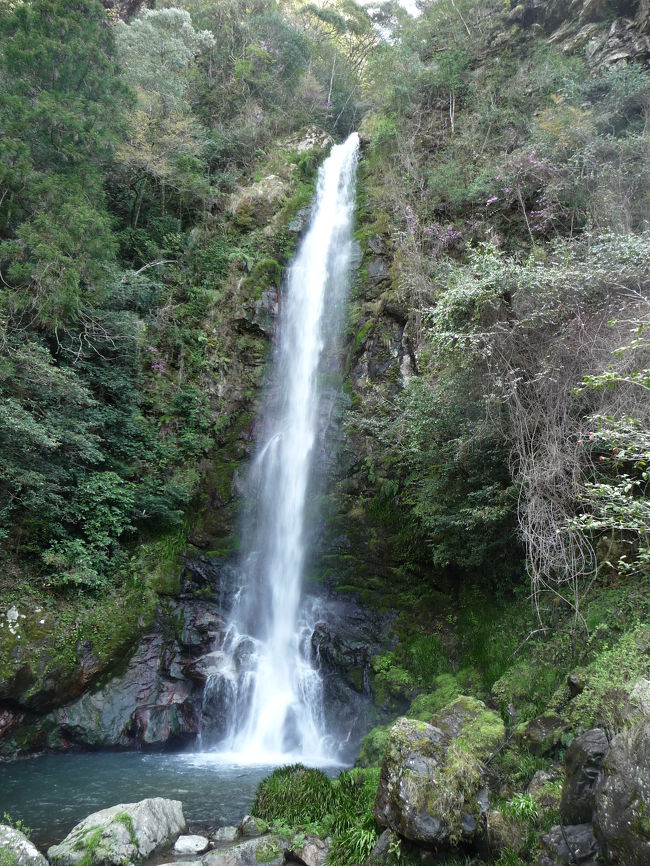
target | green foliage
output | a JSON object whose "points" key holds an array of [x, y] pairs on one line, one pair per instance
{"points": [[294, 794], [300, 798], [523, 807]]}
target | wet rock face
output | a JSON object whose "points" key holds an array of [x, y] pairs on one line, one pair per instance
{"points": [[622, 814], [569, 846], [15, 848], [583, 761], [121, 834], [152, 701]]}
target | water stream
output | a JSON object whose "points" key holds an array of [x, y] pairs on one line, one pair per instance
{"points": [[264, 680]]}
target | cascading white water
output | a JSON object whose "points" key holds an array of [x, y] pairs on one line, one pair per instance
{"points": [[274, 692]]}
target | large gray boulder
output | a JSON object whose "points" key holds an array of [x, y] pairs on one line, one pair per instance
{"points": [[622, 814], [431, 788], [15, 848], [121, 834], [583, 760]]}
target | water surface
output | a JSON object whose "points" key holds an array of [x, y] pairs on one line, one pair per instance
{"points": [[51, 793]]}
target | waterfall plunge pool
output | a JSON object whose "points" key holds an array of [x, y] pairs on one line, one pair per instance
{"points": [[51, 793]]}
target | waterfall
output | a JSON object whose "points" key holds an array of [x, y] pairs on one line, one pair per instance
{"points": [[274, 711]]}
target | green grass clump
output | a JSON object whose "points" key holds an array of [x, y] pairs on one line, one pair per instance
{"points": [[296, 799], [294, 794]]}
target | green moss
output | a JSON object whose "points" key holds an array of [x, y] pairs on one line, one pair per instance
{"points": [[609, 679], [89, 844], [127, 821], [476, 729], [266, 274], [267, 851], [373, 745]]}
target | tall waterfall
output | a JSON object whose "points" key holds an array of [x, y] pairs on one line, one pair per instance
{"points": [[265, 679]]}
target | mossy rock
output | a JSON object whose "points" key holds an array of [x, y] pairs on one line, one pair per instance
{"points": [[255, 205], [541, 736], [48, 657], [430, 789], [474, 728], [266, 274]]}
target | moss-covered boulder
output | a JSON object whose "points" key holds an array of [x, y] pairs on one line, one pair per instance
{"points": [[431, 785], [121, 834], [373, 746]]}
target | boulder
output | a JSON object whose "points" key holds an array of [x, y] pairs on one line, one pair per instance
{"points": [[544, 788], [226, 834], [569, 846], [191, 845], [252, 852], [121, 834], [256, 204], [431, 787], [505, 834], [381, 853], [252, 826], [583, 760], [313, 851], [622, 813], [640, 697], [17, 850]]}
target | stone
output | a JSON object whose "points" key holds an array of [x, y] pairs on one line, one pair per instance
{"points": [[576, 682], [543, 788], [541, 736], [123, 833], [16, 849], [381, 853], [252, 852], [313, 851], [569, 846], [191, 845], [226, 834], [468, 720], [252, 826], [505, 833], [583, 760], [431, 786], [311, 138], [622, 799]]}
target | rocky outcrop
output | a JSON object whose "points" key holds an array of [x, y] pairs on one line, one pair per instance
{"points": [[17, 850], [121, 834], [622, 814], [583, 760], [431, 788]]}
